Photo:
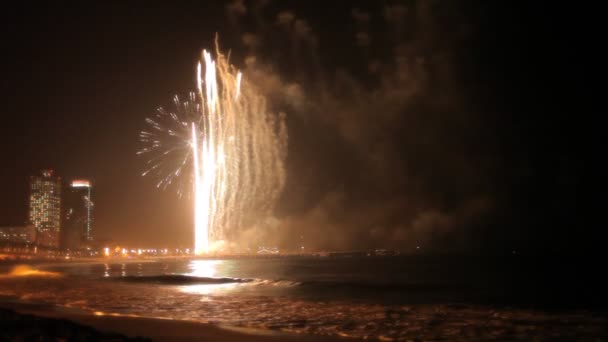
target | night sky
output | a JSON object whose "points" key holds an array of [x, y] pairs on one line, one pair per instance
{"points": [[455, 126]]}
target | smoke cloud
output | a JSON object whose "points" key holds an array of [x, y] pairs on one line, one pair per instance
{"points": [[383, 149]]}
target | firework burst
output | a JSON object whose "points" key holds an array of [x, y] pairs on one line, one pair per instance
{"points": [[166, 144], [225, 146]]}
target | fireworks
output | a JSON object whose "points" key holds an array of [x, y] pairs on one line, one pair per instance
{"points": [[224, 145], [167, 143]]}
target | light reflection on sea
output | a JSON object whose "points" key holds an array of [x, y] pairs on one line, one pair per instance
{"points": [[206, 269], [364, 299]]}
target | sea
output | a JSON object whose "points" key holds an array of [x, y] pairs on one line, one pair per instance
{"points": [[391, 298]]}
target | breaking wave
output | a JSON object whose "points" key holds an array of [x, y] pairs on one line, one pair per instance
{"points": [[180, 279], [28, 271], [184, 279]]}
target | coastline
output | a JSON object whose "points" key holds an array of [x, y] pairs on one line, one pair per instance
{"points": [[37, 304], [67, 323]]}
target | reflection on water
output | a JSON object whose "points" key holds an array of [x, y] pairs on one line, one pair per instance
{"points": [[367, 298], [208, 289], [25, 270], [206, 269]]}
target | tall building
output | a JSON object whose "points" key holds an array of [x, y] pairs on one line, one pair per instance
{"points": [[19, 234], [45, 207], [78, 224]]}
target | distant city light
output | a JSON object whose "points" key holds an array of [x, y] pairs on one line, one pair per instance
{"points": [[81, 183]]}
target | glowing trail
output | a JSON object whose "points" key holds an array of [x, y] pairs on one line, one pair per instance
{"points": [[238, 85], [201, 238], [235, 150]]}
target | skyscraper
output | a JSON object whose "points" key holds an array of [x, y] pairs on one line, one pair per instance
{"points": [[45, 207], [78, 225], [18, 234]]}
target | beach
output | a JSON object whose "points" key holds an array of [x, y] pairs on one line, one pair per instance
{"points": [[27, 321], [21, 321], [302, 299]]}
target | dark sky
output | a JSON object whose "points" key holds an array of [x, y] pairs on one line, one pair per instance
{"points": [[455, 126]]}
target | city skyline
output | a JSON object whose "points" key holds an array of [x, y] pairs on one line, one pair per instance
{"points": [[60, 214]]}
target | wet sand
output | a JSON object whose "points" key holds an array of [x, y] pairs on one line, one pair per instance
{"points": [[22, 321], [28, 321]]}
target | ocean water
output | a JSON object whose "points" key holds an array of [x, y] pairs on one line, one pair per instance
{"points": [[384, 298]]}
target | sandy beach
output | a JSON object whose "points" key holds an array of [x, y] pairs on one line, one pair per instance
{"points": [[19, 321], [26, 321]]}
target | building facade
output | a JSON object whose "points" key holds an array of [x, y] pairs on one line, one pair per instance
{"points": [[18, 234], [45, 207], [78, 215]]}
